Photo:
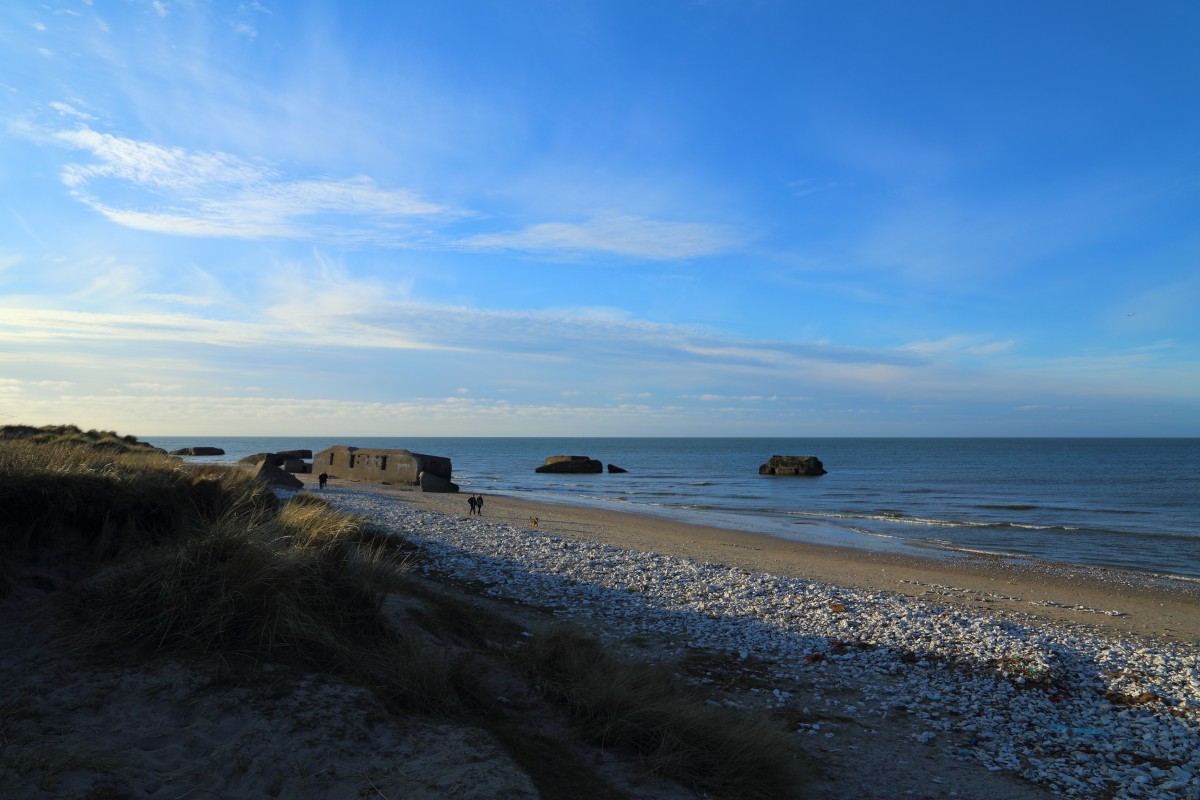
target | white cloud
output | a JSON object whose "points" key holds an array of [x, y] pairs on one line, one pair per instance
{"points": [[119, 282], [172, 190], [960, 343], [712, 398], [619, 234], [179, 299], [159, 388], [16, 385], [217, 194], [67, 110], [160, 414]]}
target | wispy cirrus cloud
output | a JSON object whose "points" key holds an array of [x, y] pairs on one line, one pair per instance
{"points": [[216, 194], [243, 21], [68, 110], [616, 234], [172, 190], [962, 345]]}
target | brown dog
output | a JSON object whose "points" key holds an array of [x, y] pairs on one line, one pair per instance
{"points": [[533, 522]]}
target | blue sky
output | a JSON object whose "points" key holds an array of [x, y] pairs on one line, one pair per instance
{"points": [[601, 218]]}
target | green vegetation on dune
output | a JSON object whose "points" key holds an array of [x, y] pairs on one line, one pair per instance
{"points": [[58, 491], [108, 441], [151, 555]]}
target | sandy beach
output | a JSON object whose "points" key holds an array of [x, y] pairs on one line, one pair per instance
{"points": [[951, 677], [1105, 600]]}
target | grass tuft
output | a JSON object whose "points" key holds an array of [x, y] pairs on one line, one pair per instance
{"points": [[644, 709], [272, 589]]}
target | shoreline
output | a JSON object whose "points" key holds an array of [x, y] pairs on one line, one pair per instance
{"points": [[986, 679], [1104, 600]]}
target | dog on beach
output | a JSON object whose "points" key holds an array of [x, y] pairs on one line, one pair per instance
{"points": [[533, 522]]}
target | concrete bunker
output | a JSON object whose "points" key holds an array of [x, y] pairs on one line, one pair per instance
{"points": [[379, 464]]}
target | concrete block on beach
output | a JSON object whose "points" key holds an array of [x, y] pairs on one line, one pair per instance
{"points": [[571, 465], [435, 483], [380, 464], [198, 451], [792, 465], [269, 473], [283, 459]]}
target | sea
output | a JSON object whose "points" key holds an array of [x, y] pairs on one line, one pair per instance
{"points": [[1131, 504]]}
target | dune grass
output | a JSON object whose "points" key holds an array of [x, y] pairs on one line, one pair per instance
{"points": [[166, 557], [163, 557], [109, 498], [643, 708], [104, 441]]}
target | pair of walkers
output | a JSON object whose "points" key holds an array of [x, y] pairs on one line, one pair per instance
{"points": [[475, 501]]}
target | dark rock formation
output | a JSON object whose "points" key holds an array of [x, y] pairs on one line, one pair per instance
{"points": [[792, 465], [571, 465], [435, 483], [198, 451], [269, 473], [615, 468]]}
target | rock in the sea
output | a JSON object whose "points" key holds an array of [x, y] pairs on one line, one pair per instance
{"points": [[615, 468], [269, 473], [198, 451], [792, 465], [435, 483], [571, 465]]}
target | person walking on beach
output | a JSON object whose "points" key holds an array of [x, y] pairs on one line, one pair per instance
{"points": [[479, 504], [322, 479], [471, 503]]}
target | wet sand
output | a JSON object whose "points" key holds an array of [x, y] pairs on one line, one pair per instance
{"points": [[1144, 605]]}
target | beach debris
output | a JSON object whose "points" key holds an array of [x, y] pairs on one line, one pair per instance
{"points": [[792, 465]]}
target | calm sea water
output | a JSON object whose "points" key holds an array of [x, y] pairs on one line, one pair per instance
{"points": [[1126, 503]]}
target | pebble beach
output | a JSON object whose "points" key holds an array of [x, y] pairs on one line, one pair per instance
{"points": [[1082, 683]]}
